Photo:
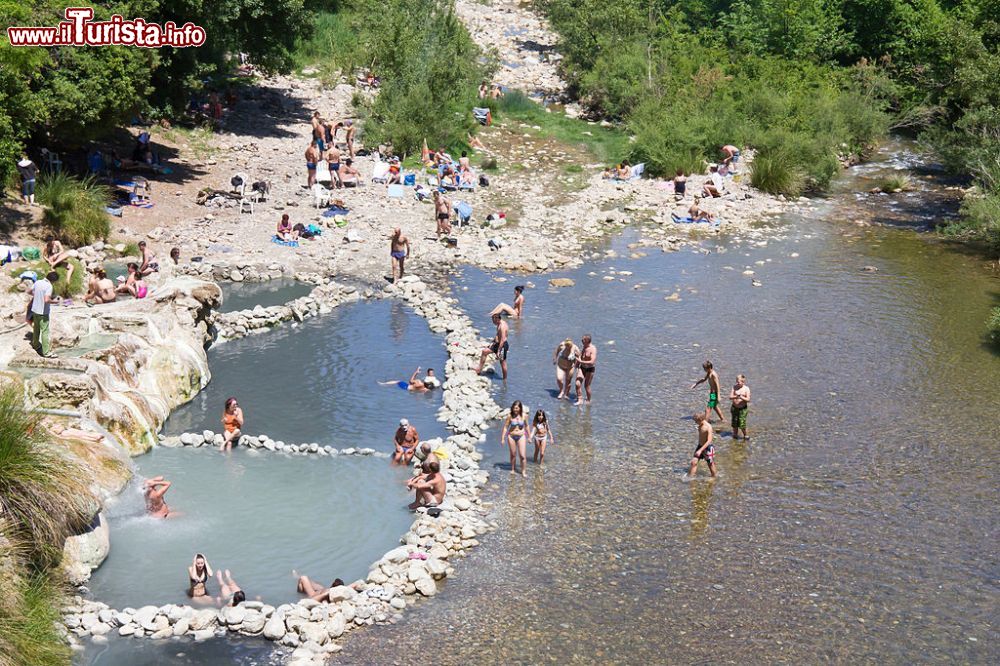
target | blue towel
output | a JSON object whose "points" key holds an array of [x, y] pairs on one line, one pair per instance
{"points": [[335, 210], [464, 211], [278, 241]]}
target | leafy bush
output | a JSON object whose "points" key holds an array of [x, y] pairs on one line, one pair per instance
{"points": [[776, 172], [894, 183], [75, 209], [43, 494]]}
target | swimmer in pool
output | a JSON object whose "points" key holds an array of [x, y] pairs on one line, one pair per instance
{"points": [[315, 590], [517, 310], [154, 489], [515, 433], [415, 384], [198, 574]]}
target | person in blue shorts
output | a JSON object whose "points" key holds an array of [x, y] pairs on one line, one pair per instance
{"points": [[416, 384]]}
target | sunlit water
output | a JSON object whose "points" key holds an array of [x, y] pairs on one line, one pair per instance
{"points": [[858, 525], [246, 295]]}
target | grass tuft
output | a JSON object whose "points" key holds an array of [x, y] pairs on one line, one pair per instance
{"points": [[75, 209], [775, 172], [29, 614], [894, 183], [63, 288]]}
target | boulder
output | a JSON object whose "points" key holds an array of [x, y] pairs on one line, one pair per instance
{"points": [[426, 586], [274, 629], [84, 552], [203, 619], [233, 615], [561, 282], [253, 622]]}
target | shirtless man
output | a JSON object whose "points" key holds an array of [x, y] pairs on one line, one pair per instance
{"points": [[349, 174], [148, 264], [500, 346], [333, 161], [416, 384], [712, 377], [588, 365], [442, 213], [405, 441], [100, 289], [731, 155], [349, 130], [318, 130], [740, 396], [399, 250], [705, 450], [312, 157], [154, 489], [429, 487], [425, 454]]}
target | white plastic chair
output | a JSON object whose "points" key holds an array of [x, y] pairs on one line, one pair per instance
{"points": [[321, 196]]}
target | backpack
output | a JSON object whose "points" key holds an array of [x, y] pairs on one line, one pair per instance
{"points": [[484, 180]]}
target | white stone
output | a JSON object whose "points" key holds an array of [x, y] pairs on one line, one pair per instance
{"points": [[426, 587], [274, 628]]}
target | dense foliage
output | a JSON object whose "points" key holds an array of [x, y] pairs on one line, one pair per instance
{"points": [[64, 95], [74, 208], [800, 80], [428, 65]]}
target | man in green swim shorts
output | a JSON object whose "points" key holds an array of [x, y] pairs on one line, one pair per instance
{"points": [[740, 396], [712, 377]]}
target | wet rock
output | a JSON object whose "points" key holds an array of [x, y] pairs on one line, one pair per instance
{"points": [[561, 282], [274, 628]]}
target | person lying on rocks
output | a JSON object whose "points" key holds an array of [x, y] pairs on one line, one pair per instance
{"points": [[314, 590], [349, 174], [232, 423], [154, 489], [63, 432], [149, 263], [415, 384], [429, 486], [517, 310], [100, 288], [405, 440], [285, 230], [449, 178], [230, 594], [199, 573], [713, 187]]}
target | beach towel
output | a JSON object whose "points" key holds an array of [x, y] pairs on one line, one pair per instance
{"points": [[114, 210], [464, 212], [396, 191], [687, 219], [333, 211], [278, 241], [31, 253]]}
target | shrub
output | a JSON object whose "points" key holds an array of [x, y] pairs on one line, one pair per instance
{"points": [[44, 494], [993, 327], [75, 209], [514, 101], [894, 183], [776, 172]]}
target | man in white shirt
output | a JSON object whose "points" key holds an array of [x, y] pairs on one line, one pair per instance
{"points": [[41, 299], [714, 186]]}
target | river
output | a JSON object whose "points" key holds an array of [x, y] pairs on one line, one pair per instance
{"points": [[859, 522]]}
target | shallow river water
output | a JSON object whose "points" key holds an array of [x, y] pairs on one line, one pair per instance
{"points": [[859, 522]]}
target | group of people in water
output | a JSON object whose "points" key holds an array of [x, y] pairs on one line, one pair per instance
{"points": [[739, 398], [231, 594]]}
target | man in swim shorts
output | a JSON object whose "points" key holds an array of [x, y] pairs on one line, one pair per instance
{"points": [[429, 486], [712, 377], [405, 441], [333, 161], [499, 346], [416, 384], [706, 449], [587, 363], [399, 250], [312, 157], [740, 396]]}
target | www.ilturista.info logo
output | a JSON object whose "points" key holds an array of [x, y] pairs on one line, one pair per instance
{"points": [[79, 30]]}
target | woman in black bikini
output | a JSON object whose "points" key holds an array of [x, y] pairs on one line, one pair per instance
{"points": [[198, 574], [515, 433]]}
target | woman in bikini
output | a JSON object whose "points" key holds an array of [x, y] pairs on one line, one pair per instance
{"points": [[285, 230], [230, 593], [56, 256], [540, 435], [198, 574], [515, 433], [517, 310], [232, 423], [564, 359]]}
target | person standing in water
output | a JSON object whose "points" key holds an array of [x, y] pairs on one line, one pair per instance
{"points": [[712, 377], [706, 449], [232, 423], [540, 435], [399, 250], [154, 489], [740, 396], [515, 434], [198, 574], [517, 310], [499, 346], [564, 358], [588, 365]]}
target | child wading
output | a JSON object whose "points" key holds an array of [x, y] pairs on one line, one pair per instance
{"points": [[705, 450], [712, 377], [740, 395]]}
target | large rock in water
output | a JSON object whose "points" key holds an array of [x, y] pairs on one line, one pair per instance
{"points": [[84, 552], [561, 282]]}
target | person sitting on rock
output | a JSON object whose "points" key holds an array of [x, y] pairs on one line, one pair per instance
{"points": [[232, 423], [517, 310], [624, 171], [430, 486], [713, 187], [394, 176], [425, 454], [315, 590], [56, 256], [699, 214], [285, 230], [100, 289], [405, 441], [349, 174]]}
